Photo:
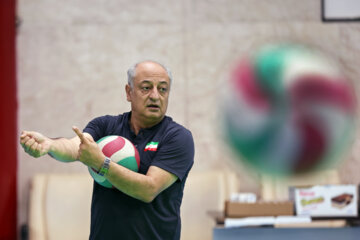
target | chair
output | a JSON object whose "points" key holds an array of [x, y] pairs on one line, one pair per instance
{"points": [[60, 207], [204, 191]]}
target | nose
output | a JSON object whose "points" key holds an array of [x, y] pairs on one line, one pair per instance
{"points": [[154, 94]]}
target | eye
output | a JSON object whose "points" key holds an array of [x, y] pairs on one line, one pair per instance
{"points": [[145, 88], [163, 89]]}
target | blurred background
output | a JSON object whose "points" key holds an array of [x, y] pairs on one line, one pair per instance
{"points": [[72, 57]]}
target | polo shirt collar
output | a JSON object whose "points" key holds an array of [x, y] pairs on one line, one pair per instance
{"points": [[144, 131]]}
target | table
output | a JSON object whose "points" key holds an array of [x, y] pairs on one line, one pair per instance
{"points": [[268, 233]]}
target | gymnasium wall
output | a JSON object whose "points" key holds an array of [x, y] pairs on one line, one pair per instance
{"points": [[73, 56]]}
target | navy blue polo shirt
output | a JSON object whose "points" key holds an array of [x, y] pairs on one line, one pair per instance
{"points": [[115, 215]]}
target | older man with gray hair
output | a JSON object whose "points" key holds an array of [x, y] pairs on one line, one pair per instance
{"points": [[143, 205]]}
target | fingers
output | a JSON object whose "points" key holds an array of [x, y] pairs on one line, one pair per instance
{"points": [[23, 134], [24, 137], [35, 150], [29, 144], [24, 140], [31, 147], [79, 133]]}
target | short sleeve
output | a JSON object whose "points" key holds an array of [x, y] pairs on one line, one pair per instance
{"points": [[96, 127], [176, 153]]}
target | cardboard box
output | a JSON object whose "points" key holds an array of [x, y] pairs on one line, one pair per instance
{"points": [[327, 201], [239, 209]]}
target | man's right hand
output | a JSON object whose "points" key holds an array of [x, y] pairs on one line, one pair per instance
{"points": [[35, 144]]}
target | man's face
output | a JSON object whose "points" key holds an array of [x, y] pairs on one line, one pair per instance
{"points": [[150, 93]]}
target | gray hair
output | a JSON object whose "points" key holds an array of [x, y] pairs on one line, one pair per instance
{"points": [[132, 71]]}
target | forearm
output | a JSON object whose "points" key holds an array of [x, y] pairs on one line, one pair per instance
{"points": [[134, 184], [63, 149], [139, 186]]}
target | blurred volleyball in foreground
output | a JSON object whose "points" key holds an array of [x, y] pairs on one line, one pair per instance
{"points": [[289, 110]]}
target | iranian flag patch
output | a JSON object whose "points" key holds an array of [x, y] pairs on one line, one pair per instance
{"points": [[151, 146]]}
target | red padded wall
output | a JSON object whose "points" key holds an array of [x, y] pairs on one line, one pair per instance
{"points": [[8, 121]]}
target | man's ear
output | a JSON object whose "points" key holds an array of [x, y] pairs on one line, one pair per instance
{"points": [[128, 90]]}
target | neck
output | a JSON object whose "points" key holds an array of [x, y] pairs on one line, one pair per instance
{"points": [[136, 125]]}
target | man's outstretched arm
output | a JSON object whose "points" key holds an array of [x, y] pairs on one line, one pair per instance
{"points": [[62, 149]]}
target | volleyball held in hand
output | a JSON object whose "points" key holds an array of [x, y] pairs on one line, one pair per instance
{"points": [[289, 110], [119, 150]]}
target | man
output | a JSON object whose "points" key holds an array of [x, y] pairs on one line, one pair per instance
{"points": [[144, 205]]}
